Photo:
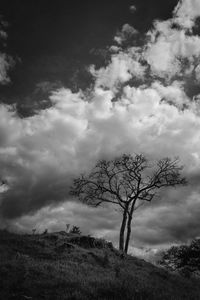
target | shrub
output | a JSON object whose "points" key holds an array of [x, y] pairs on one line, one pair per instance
{"points": [[76, 230], [185, 258]]}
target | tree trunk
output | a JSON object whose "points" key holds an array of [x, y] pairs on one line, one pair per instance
{"points": [[128, 235], [122, 229]]}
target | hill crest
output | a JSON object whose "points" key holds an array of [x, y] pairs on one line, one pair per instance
{"points": [[66, 266]]}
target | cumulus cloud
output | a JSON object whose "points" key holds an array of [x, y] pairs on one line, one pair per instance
{"points": [[186, 13], [197, 73], [127, 32], [3, 26], [168, 48], [6, 61], [173, 93], [124, 66], [39, 155], [132, 8]]}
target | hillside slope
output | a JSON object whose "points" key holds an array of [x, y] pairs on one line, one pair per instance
{"points": [[68, 266]]}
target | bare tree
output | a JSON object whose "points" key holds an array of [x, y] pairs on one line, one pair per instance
{"points": [[128, 182]]}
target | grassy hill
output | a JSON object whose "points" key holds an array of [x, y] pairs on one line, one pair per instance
{"points": [[69, 266]]}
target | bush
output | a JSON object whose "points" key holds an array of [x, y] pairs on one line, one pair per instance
{"points": [[75, 229], [185, 258]]}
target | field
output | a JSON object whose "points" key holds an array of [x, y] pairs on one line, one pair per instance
{"points": [[68, 266]]}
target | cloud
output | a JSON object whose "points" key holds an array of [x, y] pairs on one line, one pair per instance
{"points": [[124, 66], [197, 73], [39, 155], [6, 61], [170, 225], [127, 32], [173, 93], [3, 26], [186, 13], [132, 9], [102, 222], [167, 49], [152, 113]]}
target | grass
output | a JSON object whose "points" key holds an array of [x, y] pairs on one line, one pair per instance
{"points": [[68, 266]]}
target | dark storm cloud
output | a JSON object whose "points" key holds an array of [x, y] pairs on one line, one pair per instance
{"points": [[174, 223], [102, 222], [27, 197]]}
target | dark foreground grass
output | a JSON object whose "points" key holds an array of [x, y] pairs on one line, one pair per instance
{"points": [[63, 266]]}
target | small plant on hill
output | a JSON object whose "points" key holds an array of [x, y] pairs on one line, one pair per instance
{"points": [[33, 231], [67, 227], [76, 230]]}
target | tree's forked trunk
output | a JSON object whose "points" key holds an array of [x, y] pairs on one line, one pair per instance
{"points": [[128, 234], [122, 231]]}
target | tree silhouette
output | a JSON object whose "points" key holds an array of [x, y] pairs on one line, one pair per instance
{"points": [[128, 182], [184, 258]]}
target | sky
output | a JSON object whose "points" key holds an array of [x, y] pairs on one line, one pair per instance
{"points": [[85, 80]]}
